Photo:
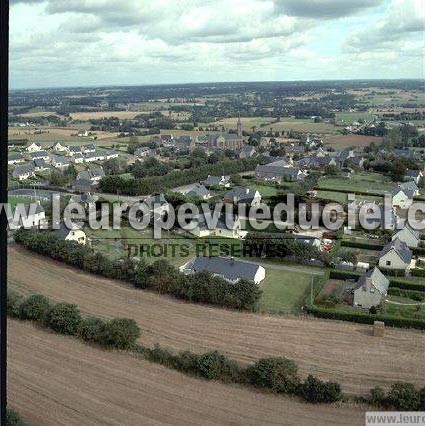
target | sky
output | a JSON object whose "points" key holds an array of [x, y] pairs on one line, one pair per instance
{"points": [[66, 43]]}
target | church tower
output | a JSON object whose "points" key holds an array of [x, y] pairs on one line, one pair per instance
{"points": [[239, 126]]}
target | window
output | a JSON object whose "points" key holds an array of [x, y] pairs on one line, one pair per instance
{"points": [[388, 262], [372, 289]]}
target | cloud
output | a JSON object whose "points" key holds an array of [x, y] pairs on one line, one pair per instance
{"points": [[324, 9], [402, 20]]}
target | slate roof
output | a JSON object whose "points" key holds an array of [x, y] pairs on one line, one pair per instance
{"points": [[400, 248], [38, 154], [413, 173], [198, 191], [23, 169], [39, 162], [240, 194], [227, 267], [414, 232], [216, 180], [14, 157], [377, 279]]}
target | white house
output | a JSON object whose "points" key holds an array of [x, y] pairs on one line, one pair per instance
{"points": [[401, 198], [15, 159], [241, 195], [407, 235], [22, 172], [227, 268], [227, 226], [57, 146], [370, 289], [414, 175], [33, 147], [71, 234], [395, 255]]}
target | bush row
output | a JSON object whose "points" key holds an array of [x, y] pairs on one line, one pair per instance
{"points": [[65, 318], [366, 318], [401, 396], [417, 272], [160, 276], [418, 296], [418, 251], [361, 245], [277, 374], [13, 419]]}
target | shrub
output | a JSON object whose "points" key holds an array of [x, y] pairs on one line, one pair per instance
{"points": [[91, 329], [213, 365], [422, 399], [64, 318], [187, 361], [372, 310], [377, 396], [34, 308], [120, 333], [13, 419], [276, 373], [315, 390], [13, 304], [404, 397]]}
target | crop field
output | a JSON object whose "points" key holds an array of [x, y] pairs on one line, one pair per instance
{"points": [[53, 134], [113, 387], [346, 141], [302, 125], [330, 349], [350, 117]]}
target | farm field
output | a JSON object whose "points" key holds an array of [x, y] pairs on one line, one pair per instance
{"points": [[53, 134], [345, 141], [332, 350], [284, 292], [117, 388], [350, 117]]}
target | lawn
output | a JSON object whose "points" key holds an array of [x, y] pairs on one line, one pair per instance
{"points": [[13, 200], [283, 291], [341, 197], [413, 309], [361, 181], [266, 191], [350, 117]]}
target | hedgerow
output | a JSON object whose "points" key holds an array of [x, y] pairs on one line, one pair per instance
{"points": [[161, 276]]}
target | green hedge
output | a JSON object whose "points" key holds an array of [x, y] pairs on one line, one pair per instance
{"points": [[418, 251], [417, 272], [365, 318], [361, 245]]}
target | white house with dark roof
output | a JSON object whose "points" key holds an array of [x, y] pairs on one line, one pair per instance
{"points": [[370, 289], [15, 159], [395, 255], [230, 269], [402, 197], [24, 171], [60, 162], [37, 155], [414, 175], [212, 181], [407, 235], [242, 195], [199, 191], [71, 234]]}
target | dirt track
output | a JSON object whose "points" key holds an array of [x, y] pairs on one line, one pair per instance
{"points": [[57, 380], [344, 352]]}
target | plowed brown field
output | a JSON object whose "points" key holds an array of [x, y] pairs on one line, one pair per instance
{"points": [[58, 380], [345, 352]]}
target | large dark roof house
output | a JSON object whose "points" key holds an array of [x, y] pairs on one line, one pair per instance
{"points": [[228, 268]]}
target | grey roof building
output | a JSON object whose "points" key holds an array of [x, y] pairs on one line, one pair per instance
{"points": [[228, 268]]}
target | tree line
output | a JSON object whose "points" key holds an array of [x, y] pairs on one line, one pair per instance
{"points": [[160, 276], [151, 184]]}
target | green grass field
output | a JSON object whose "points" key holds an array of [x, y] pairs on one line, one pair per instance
{"points": [[341, 197], [283, 291], [350, 117], [361, 181]]}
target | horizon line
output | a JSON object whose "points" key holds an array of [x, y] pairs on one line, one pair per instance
{"points": [[99, 86]]}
